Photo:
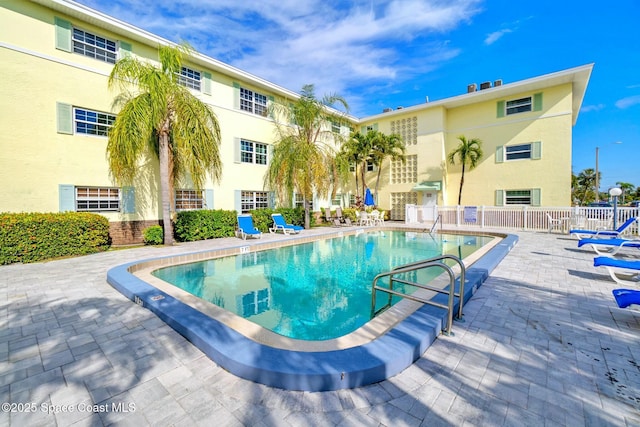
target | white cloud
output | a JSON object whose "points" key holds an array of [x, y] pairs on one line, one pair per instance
{"points": [[334, 45], [627, 102], [495, 36], [589, 108]]}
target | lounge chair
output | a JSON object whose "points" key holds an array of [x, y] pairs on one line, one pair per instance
{"points": [[622, 271], [246, 227], [279, 224], [609, 247], [626, 297], [582, 234]]}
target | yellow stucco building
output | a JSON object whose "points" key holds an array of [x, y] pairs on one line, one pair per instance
{"points": [[55, 110]]}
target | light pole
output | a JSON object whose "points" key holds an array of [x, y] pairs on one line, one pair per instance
{"points": [[615, 192], [597, 183]]}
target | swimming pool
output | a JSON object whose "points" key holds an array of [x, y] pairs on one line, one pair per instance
{"points": [[318, 290], [378, 350]]}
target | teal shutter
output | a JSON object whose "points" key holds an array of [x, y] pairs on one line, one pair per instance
{"points": [[500, 154], [66, 198], [500, 109], [269, 153], [270, 102], [536, 150], [236, 151], [63, 34], [208, 198], [128, 200], [64, 116], [499, 197], [125, 49], [537, 101], [375, 126], [535, 197], [207, 83], [272, 199], [363, 130], [237, 201], [236, 95]]}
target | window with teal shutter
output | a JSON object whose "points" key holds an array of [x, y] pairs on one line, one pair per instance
{"points": [[208, 198], [535, 197], [63, 34], [236, 95], [66, 198], [499, 197], [537, 101], [125, 49], [128, 200], [500, 154], [207, 83], [500, 109], [64, 116], [536, 150]]}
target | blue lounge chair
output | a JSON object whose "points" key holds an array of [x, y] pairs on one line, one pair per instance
{"points": [[609, 247], [246, 227], [279, 224], [626, 297], [622, 271], [582, 234]]}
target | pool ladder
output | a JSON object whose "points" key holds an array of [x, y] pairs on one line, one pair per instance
{"points": [[419, 265]]}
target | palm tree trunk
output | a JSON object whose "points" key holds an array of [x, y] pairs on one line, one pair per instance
{"points": [[307, 216], [461, 184], [378, 182], [165, 187]]}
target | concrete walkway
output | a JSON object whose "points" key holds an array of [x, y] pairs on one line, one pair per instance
{"points": [[543, 344]]}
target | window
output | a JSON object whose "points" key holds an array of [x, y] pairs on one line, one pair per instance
{"points": [[521, 105], [299, 202], [255, 302], [517, 197], [253, 102], [335, 127], [189, 78], [189, 200], [370, 166], [515, 152], [92, 122], [93, 46], [97, 199], [407, 129], [399, 202], [253, 152], [251, 200]]}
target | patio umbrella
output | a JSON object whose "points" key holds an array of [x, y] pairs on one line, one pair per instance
{"points": [[368, 198]]}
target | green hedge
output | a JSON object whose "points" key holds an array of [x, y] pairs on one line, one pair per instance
{"points": [[209, 224], [31, 237]]}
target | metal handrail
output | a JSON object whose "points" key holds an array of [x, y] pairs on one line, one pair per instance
{"points": [[413, 267], [463, 271], [435, 223]]}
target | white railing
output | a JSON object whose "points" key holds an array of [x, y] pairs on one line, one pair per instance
{"points": [[521, 217]]}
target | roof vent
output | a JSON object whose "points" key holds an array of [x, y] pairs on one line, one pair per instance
{"points": [[426, 99], [485, 85], [399, 108], [497, 83], [472, 87], [386, 110]]}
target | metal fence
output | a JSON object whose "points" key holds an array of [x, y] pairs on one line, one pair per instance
{"points": [[522, 217]]}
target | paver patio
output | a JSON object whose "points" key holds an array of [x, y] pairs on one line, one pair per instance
{"points": [[543, 343]]}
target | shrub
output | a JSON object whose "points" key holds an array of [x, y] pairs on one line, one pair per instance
{"points": [[153, 235], [31, 237], [262, 217], [204, 224]]}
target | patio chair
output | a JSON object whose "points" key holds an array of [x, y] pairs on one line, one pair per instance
{"points": [[609, 247], [554, 223], [621, 271], [246, 227], [364, 219], [626, 297], [582, 234], [339, 215], [279, 224]]}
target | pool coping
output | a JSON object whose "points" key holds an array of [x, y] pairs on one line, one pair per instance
{"points": [[351, 367]]}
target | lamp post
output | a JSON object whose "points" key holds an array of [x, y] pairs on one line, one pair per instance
{"points": [[615, 192], [597, 183]]}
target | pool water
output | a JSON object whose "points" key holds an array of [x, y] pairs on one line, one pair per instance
{"points": [[313, 291]]}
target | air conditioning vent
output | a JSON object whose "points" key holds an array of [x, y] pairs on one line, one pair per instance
{"points": [[497, 83], [472, 88], [485, 85]]}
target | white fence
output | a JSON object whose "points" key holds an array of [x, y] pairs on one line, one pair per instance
{"points": [[521, 217]]}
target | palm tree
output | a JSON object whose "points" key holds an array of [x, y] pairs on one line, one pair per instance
{"points": [[626, 187], [469, 152], [586, 185], [305, 151], [356, 151], [162, 118], [386, 146]]}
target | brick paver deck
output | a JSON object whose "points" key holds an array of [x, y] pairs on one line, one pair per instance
{"points": [[543, 343]]}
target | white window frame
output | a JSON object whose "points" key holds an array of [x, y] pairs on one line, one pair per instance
{"points": [[253, 152], [97, 199], [189, 200], [520, 105], [94, 46], [252, 200], [253, 102], [517, 152], [516, 199], [91, 122], [190, 78]]}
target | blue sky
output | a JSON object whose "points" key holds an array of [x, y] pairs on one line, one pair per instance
{"points": [[380, 53]]}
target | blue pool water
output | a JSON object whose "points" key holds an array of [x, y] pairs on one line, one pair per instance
{"points": [[313, 291]]}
